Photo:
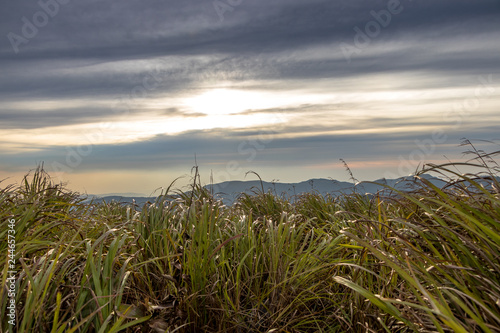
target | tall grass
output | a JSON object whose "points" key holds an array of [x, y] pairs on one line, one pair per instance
{"points": [[425, 261]]}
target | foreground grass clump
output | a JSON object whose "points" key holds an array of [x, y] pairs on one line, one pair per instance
{"points": [[426, 261]]}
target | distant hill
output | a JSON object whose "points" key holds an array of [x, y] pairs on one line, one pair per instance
{"points": [[139, 200], [230, 190]]}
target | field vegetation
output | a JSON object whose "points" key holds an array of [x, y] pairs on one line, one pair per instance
{"points": [[420, 261]]}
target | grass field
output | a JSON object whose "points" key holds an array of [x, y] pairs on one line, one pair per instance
{"points": [[426, 261]]}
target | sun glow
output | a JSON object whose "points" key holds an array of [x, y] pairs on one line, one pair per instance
{"points": [[222, 101]]}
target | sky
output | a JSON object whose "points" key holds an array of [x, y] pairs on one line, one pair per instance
{"points": [[124, 96]]}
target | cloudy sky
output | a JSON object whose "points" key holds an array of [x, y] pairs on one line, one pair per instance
{"points": [[122, 95]]}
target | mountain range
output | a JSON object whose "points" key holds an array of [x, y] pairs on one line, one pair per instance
{"points": [[230, 190]]}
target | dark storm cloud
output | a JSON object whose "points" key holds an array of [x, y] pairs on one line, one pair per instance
{"points": [[247, 44], [84, 81], [128, 29], [74, 79]]}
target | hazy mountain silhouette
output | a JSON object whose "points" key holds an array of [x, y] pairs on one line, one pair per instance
{"points": [[230, 190]]}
